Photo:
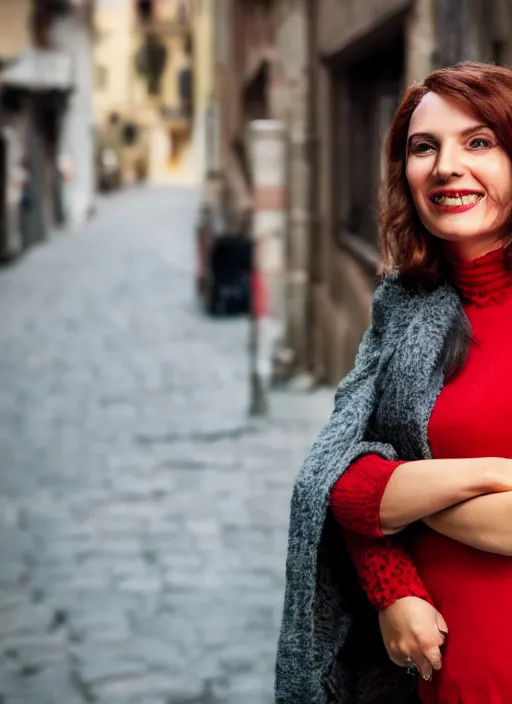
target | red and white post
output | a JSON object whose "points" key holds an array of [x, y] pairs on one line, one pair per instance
{"points": [[267, 150]]}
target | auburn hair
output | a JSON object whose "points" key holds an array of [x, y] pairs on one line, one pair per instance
{"points": [[483, 89]]}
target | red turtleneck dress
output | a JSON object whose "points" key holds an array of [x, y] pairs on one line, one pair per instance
{"points": [[472, 589]]}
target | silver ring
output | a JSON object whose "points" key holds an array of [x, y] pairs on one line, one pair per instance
{"points": [[410, 667]]}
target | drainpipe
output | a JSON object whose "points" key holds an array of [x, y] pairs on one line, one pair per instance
{"points": [[267, 151], [313, 145]]}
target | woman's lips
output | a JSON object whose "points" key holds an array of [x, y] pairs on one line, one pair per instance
{"points": [[454, 209]]}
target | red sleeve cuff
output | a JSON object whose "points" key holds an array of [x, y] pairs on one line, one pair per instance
{"points": [[356, 497], [385, 569]]}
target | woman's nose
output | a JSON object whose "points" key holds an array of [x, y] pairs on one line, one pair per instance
{"points": [[448, 163]]}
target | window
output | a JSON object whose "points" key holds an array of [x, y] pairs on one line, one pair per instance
{"points": [[130, 133], [367, 94]]}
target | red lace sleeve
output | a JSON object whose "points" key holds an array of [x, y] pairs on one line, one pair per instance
{"points": [[355, 498], [385, 569]]}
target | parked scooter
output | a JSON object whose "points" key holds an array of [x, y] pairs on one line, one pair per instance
{"points": [[223, 270], [229, 275]]}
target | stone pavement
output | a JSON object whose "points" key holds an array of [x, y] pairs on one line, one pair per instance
{"points": [[142, 515]]}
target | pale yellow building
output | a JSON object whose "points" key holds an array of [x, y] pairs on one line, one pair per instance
{"points": [[113, 23], [143, 72], [204, 23]]}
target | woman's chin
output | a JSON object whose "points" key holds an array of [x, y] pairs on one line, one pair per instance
{"points": [[468, 245], [463, 235]]}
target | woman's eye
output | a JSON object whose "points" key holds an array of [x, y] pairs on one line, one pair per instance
{"points": [[422, 148], [480, 143]]}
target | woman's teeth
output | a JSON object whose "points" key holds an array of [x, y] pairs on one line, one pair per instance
{"points": [[457, 200]]}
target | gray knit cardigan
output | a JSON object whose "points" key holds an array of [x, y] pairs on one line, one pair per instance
{"points": [[330, 649]]}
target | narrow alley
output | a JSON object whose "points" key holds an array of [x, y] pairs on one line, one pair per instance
{"points": [[143, 515]]}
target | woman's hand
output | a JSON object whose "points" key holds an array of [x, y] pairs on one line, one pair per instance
{"points": [[413, 629]]}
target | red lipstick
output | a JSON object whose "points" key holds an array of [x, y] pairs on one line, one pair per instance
{"points": [[438, 194], [455, 208]]}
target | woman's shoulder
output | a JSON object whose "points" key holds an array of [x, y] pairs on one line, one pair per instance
{"points": [[397, 300], [391, 296]]}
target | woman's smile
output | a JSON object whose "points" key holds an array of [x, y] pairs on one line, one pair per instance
{"points": [[454, 202]]}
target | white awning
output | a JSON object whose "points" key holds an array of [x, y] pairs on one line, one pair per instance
{"points": [[39, 70]]}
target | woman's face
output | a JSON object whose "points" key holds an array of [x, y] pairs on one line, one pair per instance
{"points": [[460, 177]]}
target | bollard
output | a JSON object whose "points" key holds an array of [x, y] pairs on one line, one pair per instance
{"points": [[267, 159], [204, 238]]}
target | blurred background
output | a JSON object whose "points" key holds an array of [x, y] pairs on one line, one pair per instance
{"points": [[188, 240]]}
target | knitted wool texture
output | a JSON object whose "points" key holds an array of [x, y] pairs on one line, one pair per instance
{"points": [[330, 649]]}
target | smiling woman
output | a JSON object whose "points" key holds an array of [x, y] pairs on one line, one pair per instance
{"points": [[446, 217], [414, 463], [451, 138], [456, 167]]}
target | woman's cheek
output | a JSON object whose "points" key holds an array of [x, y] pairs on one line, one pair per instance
{"points": [[416, 175]]}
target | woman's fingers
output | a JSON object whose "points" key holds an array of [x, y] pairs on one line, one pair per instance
{"points": [[414, 631], [441, 623], [434, 657], [426, 659], [432, 661], [424, 664]]}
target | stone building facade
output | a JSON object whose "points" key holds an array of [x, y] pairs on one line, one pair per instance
{"points": [[45, 119], [333, 71], [262, 57], [367, 53], [14, 38]]}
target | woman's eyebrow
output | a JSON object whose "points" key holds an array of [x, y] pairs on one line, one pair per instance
{"points": [[464, 133], [476, 128], [422, 135]]}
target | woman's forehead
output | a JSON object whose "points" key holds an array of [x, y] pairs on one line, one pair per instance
{"points": [[436, 113]]}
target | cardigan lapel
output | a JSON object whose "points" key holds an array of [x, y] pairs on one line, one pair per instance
{"points": [[412, 378]]}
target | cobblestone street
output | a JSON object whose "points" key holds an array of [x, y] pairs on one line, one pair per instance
{"points": [[143, 515]]}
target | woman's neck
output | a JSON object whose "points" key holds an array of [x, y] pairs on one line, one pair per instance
{"points": [[469, 251], [483, 280]]}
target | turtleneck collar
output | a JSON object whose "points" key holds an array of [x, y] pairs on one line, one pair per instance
{"points": [[484, 280]]}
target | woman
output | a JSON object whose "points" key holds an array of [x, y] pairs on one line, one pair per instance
{"points": [[414, 460]]}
